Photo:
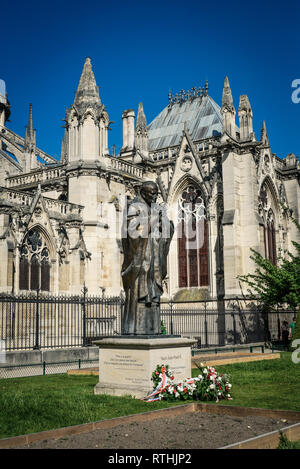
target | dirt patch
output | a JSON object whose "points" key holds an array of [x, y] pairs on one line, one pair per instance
{"points": [[188, 431]]}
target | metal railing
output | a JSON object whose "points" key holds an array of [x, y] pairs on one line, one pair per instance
{"points": [[40, 321], [225, 322]]}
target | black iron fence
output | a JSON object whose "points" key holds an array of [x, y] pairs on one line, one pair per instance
{"points": [[46, 321], [227, 322]]}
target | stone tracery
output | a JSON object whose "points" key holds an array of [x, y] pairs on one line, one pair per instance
{"points": [[34, 262], [266, 210], [192, 239]]}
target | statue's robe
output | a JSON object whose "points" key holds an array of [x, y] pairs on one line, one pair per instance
{"points": [[146, 237]]}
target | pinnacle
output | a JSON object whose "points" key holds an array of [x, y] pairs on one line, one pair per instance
{"points": [[226, 82], [141, 118], [29, 133], [141, 122], [30, 122], [244, 103], [264, 135], [227, 96], [87, 88]]}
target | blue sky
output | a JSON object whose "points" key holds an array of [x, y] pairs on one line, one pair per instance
{"points": [[140, 50]]}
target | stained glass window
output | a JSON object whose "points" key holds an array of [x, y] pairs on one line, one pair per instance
{"points": [[192, 239], [34, 262], [268, 218]]}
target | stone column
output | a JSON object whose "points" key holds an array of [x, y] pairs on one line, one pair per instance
{"points": [[17, 269], [125, 130], [130, 128], [106, 140], [80, 138]]}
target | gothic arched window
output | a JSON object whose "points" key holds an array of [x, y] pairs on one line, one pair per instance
{"points": [[270, 239], [34, 263], [193, 268], [268, 218]]}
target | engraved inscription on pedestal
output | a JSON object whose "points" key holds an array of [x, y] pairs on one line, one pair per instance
{"points": [[126, 365], [122, 366]]}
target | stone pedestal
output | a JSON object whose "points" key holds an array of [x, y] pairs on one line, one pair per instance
{"points": [[126, 363]]}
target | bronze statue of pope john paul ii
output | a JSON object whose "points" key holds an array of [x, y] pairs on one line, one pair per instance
{"points": [[146, 237]]}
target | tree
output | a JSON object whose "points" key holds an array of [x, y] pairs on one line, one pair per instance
{"points": [[276, 284]]}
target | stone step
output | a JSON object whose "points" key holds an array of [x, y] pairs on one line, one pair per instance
{"points": [[85, 371], [238, 358]]}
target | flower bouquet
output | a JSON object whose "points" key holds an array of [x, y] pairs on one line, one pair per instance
{"points": [[208, 385]]}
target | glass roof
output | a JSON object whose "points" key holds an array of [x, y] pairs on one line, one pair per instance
{"points": [[202, 115]]}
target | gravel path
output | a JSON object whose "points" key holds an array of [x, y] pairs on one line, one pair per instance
{"points": [[189, 431]]}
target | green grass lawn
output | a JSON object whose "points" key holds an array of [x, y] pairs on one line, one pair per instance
{"points": [[34, 404], [29, 405]]}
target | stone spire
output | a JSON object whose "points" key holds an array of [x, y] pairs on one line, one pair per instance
{"points": [[227, 101], [245, 118], [30, 123], [29, 157], [30, 134], [87, 92], [141, 131], [228, 111], [264, 135], [87, 121]]}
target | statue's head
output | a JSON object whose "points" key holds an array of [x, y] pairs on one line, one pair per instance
{"points": [[149, 192]]}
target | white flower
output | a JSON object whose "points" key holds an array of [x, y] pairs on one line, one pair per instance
{"points": [[205, 371], [212, 386]]}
